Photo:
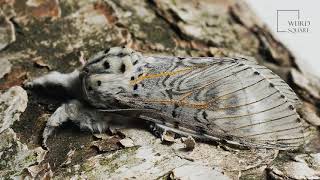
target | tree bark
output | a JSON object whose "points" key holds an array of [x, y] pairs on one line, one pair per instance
{"points": [[53, 35]]}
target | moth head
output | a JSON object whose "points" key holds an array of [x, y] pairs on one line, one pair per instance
{"points": [[108, 73]]}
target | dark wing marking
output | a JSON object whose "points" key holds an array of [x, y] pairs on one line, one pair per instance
{"points": [[279, 84]]}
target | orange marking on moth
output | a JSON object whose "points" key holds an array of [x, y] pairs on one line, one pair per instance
{"points": [[151, 76], [182, 101], [201, 105], [185, 96]]}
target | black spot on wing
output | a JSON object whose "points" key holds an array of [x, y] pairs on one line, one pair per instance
{"points": [[135, 87], [205, 115], [298, 120], [123, 68], [106, 50], [291, 107], [106, 65], [256, 73], [121, 55]]}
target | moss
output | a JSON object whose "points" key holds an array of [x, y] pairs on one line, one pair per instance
{"points": [[113, 165], [15, 159], [110, 164], [30, 159], [127, 151], [86, 168], [8, 156], [174, 2]]}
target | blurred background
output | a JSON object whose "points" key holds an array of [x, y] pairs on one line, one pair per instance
{"points": [[305, 46]]}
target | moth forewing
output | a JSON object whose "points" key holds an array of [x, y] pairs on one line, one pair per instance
{"points": [[233, 99]]}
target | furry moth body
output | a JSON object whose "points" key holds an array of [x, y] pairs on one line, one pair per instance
{"points": [[230, 99]]}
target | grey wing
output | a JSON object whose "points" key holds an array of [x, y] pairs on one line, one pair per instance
{"points": [[232, 99]]}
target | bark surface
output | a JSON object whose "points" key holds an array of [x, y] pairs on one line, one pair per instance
{"points": [[39, 36]]}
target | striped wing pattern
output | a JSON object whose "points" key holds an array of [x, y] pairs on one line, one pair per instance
{"points": [[232, 99]]}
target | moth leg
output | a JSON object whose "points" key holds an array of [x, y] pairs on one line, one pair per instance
{"points": [[74, 111], [86, 117], [68, 82], [162, 131], [55, 120], [96, 121], [156, 129], [99, 122]]}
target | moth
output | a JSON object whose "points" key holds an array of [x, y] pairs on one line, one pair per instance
{"points": [[233, 100]]}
